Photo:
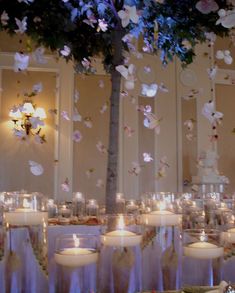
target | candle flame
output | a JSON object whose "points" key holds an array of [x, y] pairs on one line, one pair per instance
{"points": [[121, 223], [26, 204], [76, 241], [162, 205], [203, 236]]}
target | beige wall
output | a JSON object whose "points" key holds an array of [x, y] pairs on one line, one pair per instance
{"points": [[15, 153], [225, 100], [86, 156]]}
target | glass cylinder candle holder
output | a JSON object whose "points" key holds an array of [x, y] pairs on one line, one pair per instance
{"points": [[92, 208], [64, 211], [120, 203], [202, 261], [52, 209], [162, 247], [121, 255], [25, 222], [132, 207], [79, 253], [78, 204]]}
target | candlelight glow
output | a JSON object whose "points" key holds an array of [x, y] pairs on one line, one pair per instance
{"points": [[121, 223], [203, 236], [162, 205], [26, 203], [76, 241]]}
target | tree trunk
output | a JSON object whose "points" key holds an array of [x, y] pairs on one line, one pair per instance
{"points": [[112, 167]]}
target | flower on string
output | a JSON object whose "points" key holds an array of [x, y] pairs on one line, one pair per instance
{"points": [[149, 90], [38, 55], [77, 136], [207, 6], [189, 136], [128, 130], [163, 88], [102, 25], [163, 166], [224, 55], [35, 168], [76, 96], [53, 111], [104, 107], [129, 74], [211, 37], [161, 173], [189, 124], [89, 172], [4, 18], [193, 94], [21, 62], [128, 14], [163, 161], [101, 83], [100, 183], [37, 88], [152, 122], [65, 51], [88, 122], [101, 148], [21, 24], [91, 20], [65, 186], [136, 169], [211, 114], [226, 18], [65, 115], [76, 116], [212, 72], [86, 63], [213, 137], [147, 157], [147, 69]]}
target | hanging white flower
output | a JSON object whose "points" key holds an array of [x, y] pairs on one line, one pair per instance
{"points": [[21, 24], [149, 90], [21, 62], [35, 168], [65, 51], [226, 18], [129, 13], [4, 18]]}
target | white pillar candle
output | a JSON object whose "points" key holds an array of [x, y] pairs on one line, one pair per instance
{"points": [[161, 218], [76, 257], [203, 250], [25, 217], [121, 237]]}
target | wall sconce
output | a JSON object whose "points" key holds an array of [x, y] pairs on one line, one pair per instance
{"points": [[28, 120]]}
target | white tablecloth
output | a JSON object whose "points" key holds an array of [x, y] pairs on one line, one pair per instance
{"points": [[37, 282]]}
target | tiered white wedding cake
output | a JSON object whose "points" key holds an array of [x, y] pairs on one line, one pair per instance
{"points": [[207, 170]]}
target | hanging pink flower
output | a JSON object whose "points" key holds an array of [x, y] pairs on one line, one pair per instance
{"points": [[77, 137], [207, 6]]}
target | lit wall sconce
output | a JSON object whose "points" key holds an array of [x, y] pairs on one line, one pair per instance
{"points": [[28, 120]]}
